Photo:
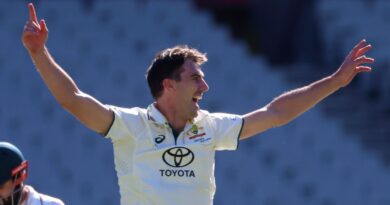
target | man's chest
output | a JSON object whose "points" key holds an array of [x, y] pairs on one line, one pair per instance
{"points": [[189, 155]]}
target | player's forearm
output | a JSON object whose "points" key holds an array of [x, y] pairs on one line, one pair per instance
{"points": [[293, 103], [56, 79]]}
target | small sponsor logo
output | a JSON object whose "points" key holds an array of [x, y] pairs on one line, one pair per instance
{"points": [[202, 140], [159, 139], [198, 135]]}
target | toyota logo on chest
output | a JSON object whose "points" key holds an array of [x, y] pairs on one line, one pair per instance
{"points": [[178, 157]]}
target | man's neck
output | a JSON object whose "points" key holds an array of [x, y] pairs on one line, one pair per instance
{"points": [[175, 120]]}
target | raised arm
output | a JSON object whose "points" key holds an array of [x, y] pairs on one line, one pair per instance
{"points": [[85, 108], [291, 104]]}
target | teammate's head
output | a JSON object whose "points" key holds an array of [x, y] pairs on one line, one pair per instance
{"points": [[168, 64], [12, 173]]}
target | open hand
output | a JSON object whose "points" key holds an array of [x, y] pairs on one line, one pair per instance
{"points": [[35, 33], [352, 64]]}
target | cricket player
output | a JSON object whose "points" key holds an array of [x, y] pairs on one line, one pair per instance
{"points": [[164, 154], [13, 173]]}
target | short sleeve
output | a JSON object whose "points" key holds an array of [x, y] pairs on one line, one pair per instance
{"points": [[227, 129], [35, 198], [48, 200], [125, 122]]}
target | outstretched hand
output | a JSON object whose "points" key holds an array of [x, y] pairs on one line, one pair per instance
{"points": [[352, 64], [35, 33]]}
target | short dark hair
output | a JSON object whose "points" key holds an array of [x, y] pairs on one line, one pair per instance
{"points": [[167, 64]]}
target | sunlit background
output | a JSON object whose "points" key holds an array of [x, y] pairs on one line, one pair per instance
{"points": [[336, 154]]}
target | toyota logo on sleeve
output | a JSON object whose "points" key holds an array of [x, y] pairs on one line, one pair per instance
{"points": [[178, 157]]}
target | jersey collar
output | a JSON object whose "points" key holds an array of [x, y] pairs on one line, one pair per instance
{"points": [[157, 117]]}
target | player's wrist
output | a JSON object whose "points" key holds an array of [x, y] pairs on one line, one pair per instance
{"points": [[36, 52], [337, 81]]}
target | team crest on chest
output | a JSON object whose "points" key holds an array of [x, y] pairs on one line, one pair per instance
{"points": [[196, 134]]}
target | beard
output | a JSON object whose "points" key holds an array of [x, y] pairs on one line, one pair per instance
{"points": [[17, 193]]}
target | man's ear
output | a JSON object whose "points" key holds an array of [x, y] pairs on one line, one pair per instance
{"points": [[168, 84]]}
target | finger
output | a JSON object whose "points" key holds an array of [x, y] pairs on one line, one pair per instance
{"points": [[364, 59], [33, 16], [43, 26], [363, 50], [357, 48], [34, 24], [30, 30], [31, 26], [363, 69]]}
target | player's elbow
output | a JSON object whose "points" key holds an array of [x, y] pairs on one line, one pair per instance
{"points": [[285, 118], [70, 102], [280, 122], [280, 117]]}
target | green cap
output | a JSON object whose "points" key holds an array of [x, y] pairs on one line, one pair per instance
{"points": [[10, 158]]}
